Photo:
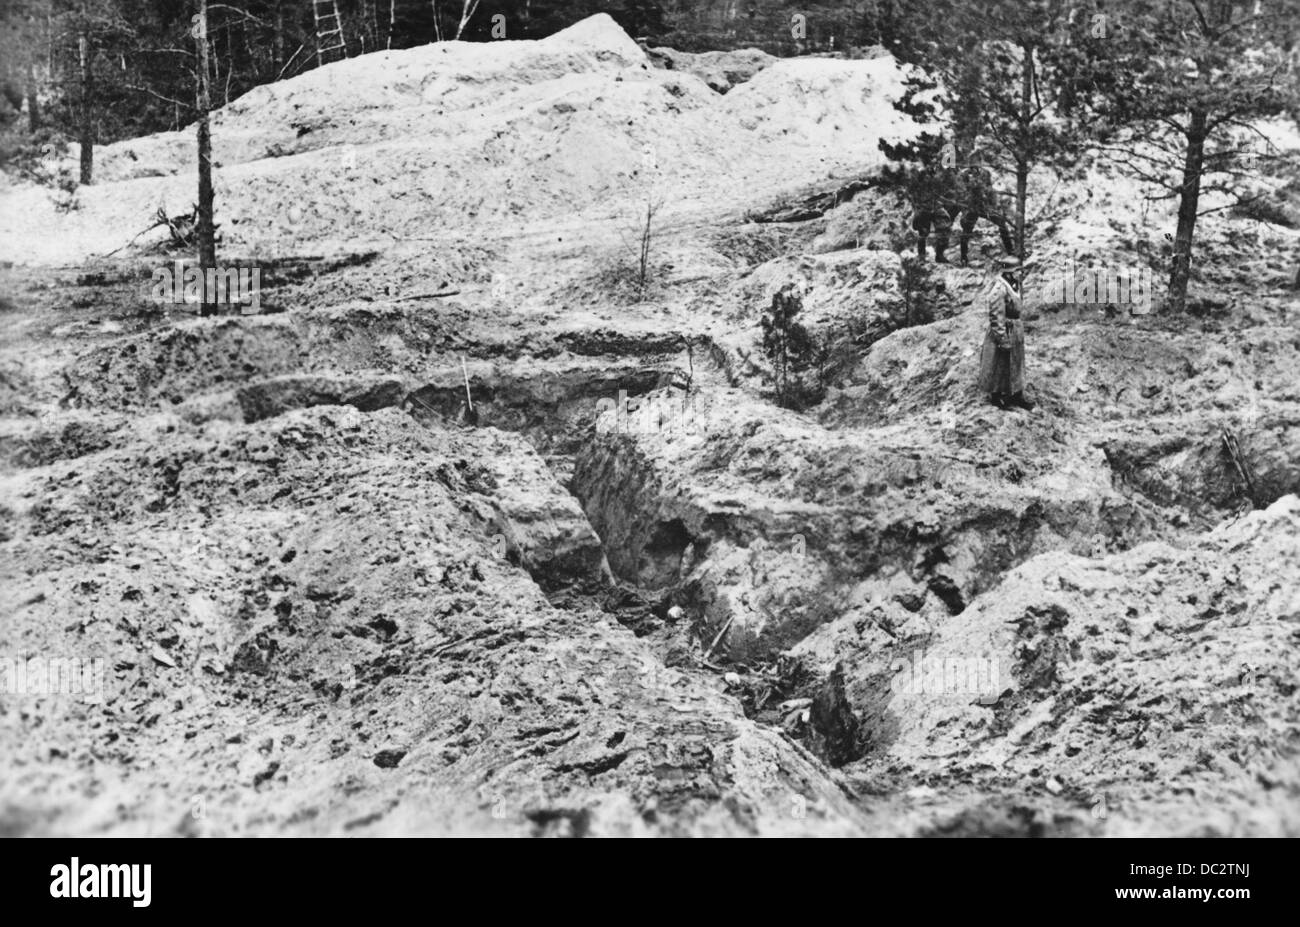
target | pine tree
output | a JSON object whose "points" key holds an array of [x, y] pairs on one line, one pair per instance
{"points": [[913, 158], [788, 345], [1002, 69], [1186, 75]]}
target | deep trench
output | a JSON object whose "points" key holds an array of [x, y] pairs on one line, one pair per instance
{"points": [[645, 586], [650, 572], [556, 411]]}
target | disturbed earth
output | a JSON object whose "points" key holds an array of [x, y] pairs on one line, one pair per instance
{"points": [[470, 532]]}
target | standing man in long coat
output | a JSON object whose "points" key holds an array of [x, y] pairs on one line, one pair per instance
{"points": [[1002, 361]]}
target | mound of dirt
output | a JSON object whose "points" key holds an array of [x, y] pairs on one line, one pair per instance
{"points": [[1140, 683], [460, 138]]}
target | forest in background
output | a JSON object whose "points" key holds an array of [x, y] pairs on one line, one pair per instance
{"points": [[123, 68], [1169, 88]]}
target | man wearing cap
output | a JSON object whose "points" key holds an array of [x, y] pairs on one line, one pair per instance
{"points": [[1002, 361]]}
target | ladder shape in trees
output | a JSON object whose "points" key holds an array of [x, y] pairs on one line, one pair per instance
{"points": [[329, 31]]}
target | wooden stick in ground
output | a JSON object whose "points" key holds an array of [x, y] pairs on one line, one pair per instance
{"points": [[1234, 455], [468, 399], [708, 653]]}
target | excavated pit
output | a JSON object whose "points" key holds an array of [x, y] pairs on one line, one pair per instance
{"points": [[784, 563]]}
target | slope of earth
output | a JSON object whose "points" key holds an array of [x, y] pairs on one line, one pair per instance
{"points": [[1148, 692], [317, 627]]}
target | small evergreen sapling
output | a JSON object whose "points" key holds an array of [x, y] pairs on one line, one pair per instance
{"points": [[788, 345]]}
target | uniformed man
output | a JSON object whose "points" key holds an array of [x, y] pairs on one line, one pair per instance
{"points": [[934, 205], [978, 201], [1002, 361]]}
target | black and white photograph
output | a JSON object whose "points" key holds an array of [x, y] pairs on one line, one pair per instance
{"points": [[649, 418]]}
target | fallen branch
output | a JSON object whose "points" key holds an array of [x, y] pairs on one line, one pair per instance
{"points": [[289, 62], [450, 644], [161, 221], [437, 295], [154, 93]]}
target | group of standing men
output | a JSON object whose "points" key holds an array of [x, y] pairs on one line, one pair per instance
{"points": [[940, 193]]}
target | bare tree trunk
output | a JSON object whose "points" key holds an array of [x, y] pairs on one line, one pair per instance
{"points": [[467, 8], [214, 59], [392, 15], [87, 127], [1022, 158], [1189, 195], [277, 36], [33, 104], [248, 49], [207, 237]]}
